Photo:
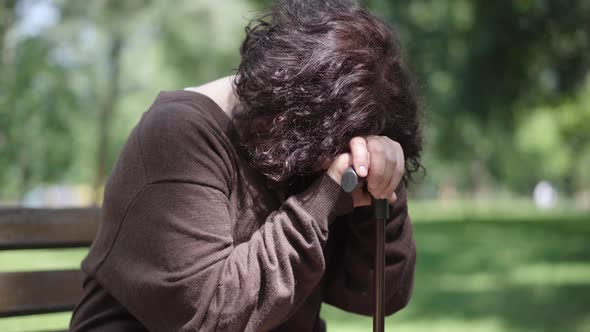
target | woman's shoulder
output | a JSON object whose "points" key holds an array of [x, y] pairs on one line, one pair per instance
{"points": [[181, 132], [186, 105]]}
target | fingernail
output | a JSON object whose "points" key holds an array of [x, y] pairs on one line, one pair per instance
{"points": [[362, 171]]}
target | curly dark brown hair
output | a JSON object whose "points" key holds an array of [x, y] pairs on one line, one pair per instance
{"points": [[314, 74]]}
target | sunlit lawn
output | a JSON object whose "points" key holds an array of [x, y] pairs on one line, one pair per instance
{"points": [[473, 275], [515, 275]]}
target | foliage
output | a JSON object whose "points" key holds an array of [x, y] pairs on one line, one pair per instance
{"points": [[484, 67], [504, 84], [71, 91], [36, 109]]}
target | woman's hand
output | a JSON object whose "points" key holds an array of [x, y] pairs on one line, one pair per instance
{"points": [[379, 160]]}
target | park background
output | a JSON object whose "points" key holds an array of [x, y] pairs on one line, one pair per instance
{"points": [[505, 90]]}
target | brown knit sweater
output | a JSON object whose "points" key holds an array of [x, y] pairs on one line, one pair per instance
{"points": [[192, 240]]}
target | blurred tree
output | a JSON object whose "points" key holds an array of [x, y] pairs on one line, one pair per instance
{"points": [[203, 38], [504, 83], [483, 66], [35, 105], [108, 55], [111, 20]]}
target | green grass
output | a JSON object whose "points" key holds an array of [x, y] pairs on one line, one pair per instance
{"points": [[509, 275], [508, 209], [39, 259], [477, 275]]}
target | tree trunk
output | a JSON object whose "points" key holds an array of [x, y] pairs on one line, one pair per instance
{"points": [[106, 113], [6, 21]]}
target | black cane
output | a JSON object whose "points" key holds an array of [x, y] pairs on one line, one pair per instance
{"points": [[349, 182]]}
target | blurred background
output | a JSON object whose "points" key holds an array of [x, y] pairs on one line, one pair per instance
{"points": [[502, 215]]}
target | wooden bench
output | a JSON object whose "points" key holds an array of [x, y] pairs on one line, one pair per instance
{"points": [[29, 293]]}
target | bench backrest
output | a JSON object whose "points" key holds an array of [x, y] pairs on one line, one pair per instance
{"points": [[26, 293]]}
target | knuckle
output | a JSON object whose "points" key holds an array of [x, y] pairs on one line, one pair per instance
{"points": [[375, 146], [357, 141]]}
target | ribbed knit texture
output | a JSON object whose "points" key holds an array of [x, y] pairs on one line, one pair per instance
{"points": [[192, 240]]}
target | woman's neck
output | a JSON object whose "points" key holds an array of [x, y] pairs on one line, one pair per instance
{"points": [[221, 92]]}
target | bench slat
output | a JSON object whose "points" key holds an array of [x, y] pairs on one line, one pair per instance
{"points": [[23, 228], [26, 293]]}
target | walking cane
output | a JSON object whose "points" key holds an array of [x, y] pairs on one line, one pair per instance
{"points": [[381, 213]]}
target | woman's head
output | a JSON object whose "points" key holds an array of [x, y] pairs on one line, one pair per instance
{"points": [[314, 74]]}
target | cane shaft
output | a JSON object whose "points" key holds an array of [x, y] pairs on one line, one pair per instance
{"points": [[381, 213], [379, 283], [349, 182]]}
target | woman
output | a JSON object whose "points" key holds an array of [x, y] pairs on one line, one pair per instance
{"points": [[224, 210]]}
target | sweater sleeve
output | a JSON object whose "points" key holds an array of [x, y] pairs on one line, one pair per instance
{"points": [[349, 274], [174, 265]]}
